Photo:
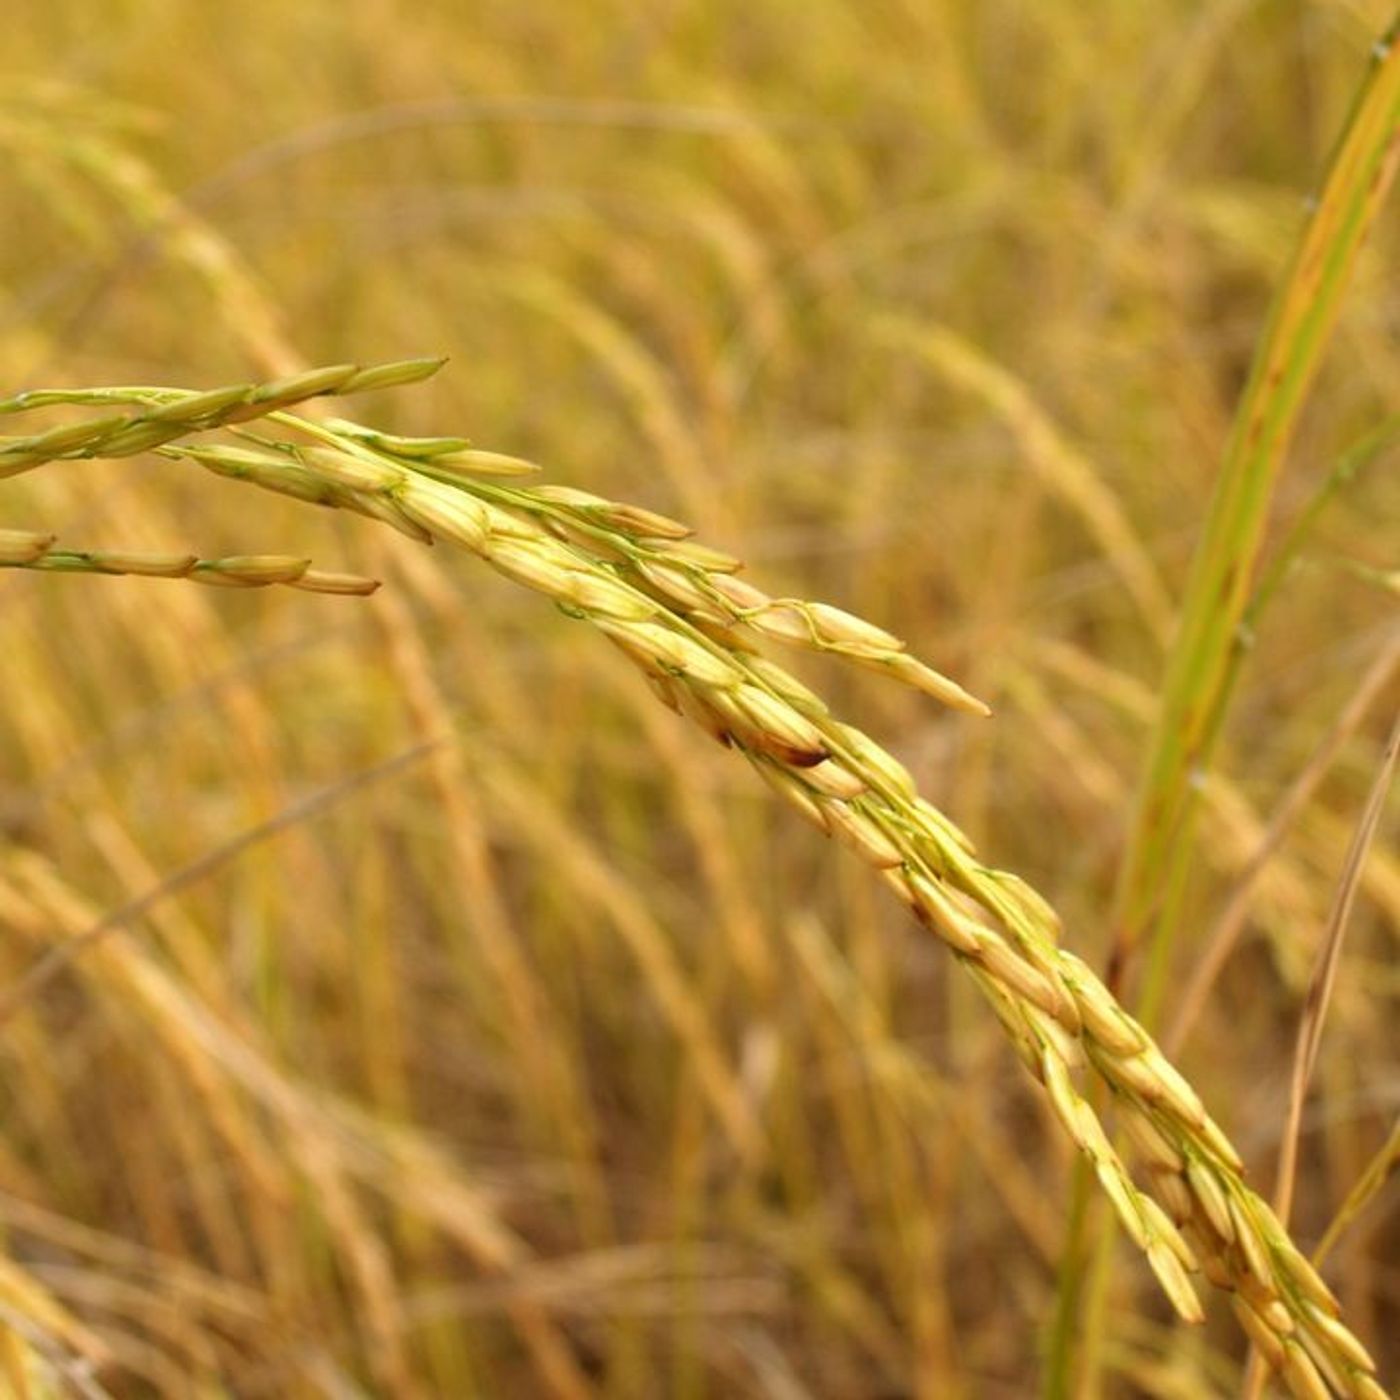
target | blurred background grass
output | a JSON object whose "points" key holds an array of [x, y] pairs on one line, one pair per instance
{"points": [[938, 310]]}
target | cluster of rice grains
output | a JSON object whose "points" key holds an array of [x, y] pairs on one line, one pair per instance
{"points": [[679, 611]]}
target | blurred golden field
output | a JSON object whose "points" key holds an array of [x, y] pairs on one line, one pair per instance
{"points": [[462, 1022]]}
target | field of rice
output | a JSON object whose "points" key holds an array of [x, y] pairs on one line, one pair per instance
{"points": [[397, 1002]]}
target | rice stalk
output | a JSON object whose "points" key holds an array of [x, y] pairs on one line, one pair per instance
{"points": [[680, 613], [27, 549]]}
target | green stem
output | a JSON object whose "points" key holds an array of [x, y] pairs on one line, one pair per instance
{"points": [[1200, 668], [1223, 600]]}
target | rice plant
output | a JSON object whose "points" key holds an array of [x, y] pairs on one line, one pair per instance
{"points": [[358, 1205]]}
